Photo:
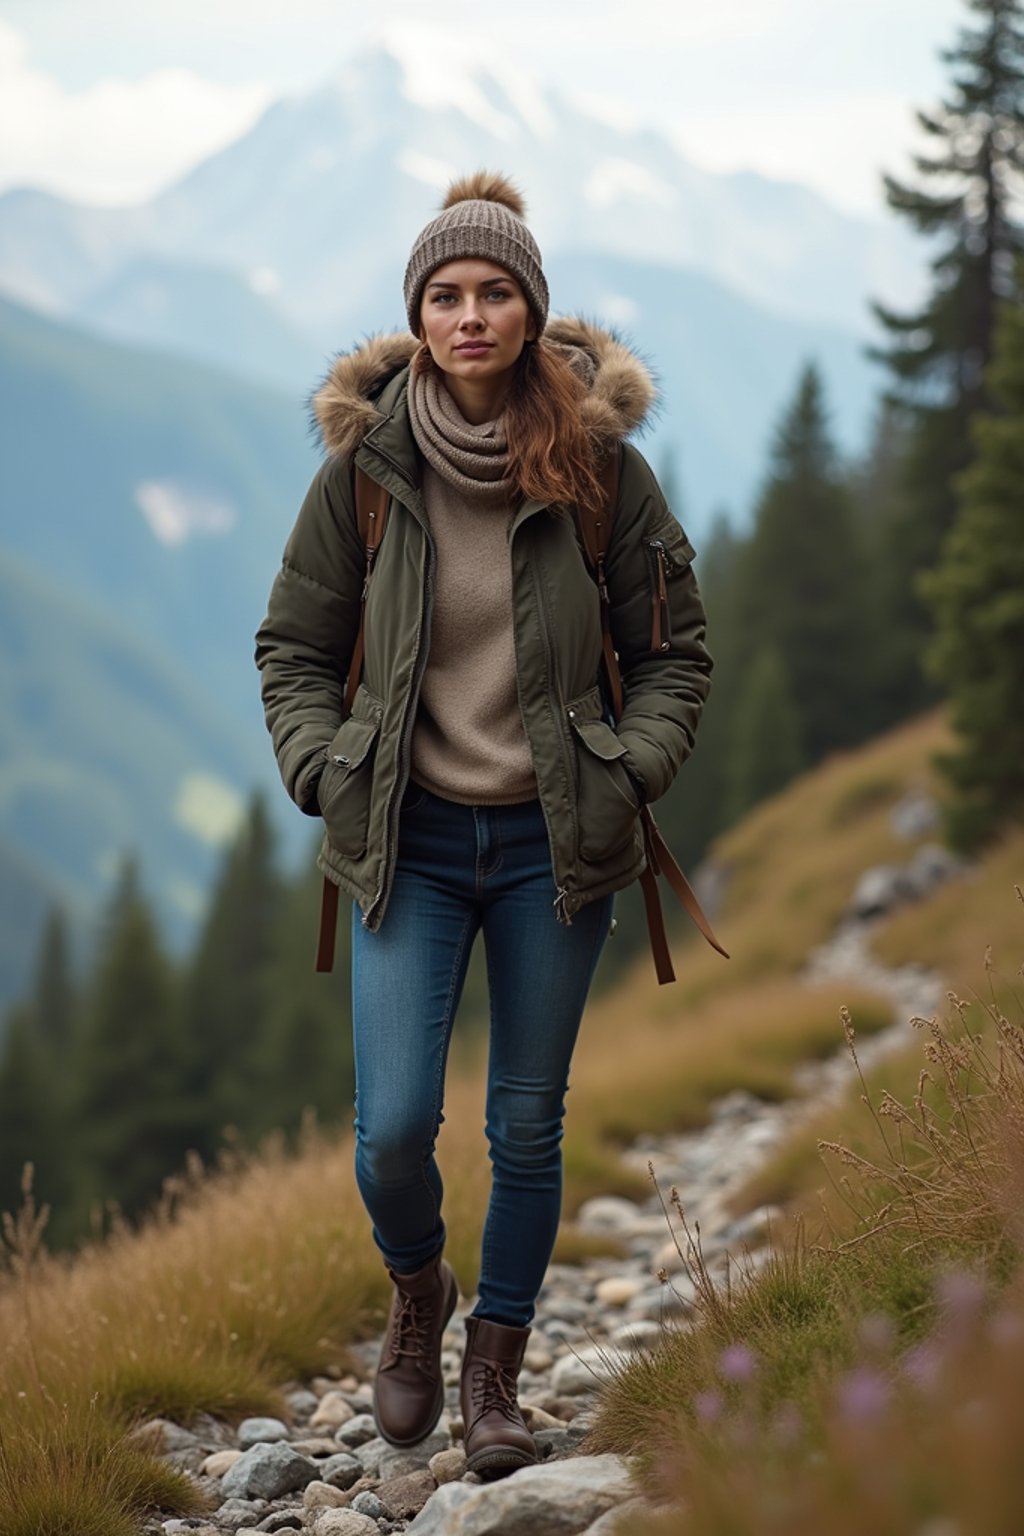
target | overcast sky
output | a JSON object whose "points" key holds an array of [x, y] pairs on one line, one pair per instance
{"points": [[109, 100]]}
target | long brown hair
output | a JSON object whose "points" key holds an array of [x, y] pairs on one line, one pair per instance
{"points": [[551, 455]]}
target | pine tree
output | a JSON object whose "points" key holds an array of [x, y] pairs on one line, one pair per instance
{"points": [[801, 589], [27, 1122], [132, 1119], [977, 595], [765, 749], [53, 992], [938, 356], [305, 1060], [226, 998]]}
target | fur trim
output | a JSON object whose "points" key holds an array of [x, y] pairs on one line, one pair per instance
{"points": [[620, 401], [342, 410], [487, 187]]}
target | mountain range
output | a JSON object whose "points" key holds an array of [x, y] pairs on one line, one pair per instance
{"points": [[155, 368]]}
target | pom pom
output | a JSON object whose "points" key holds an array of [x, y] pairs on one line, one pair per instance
{"points": [[487, 187]]}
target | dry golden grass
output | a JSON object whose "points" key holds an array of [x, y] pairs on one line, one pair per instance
{"points": [[953, 929], [873, 1384]]}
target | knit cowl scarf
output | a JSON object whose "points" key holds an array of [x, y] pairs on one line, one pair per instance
{"points": [[474, 459]]}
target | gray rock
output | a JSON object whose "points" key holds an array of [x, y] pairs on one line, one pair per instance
{"points": [[405, 1496], [282, 1520], [269, 1471], [931, 866], [586, 1370], [193, 1526], [302, 1402], [372, 1453], [357, 1431], [607, 1213], [396, 1461], [235, 1513], [914, 816], [260, 1431], [163, 1436], [559, 1500], [367, 1503], [611, 1522], [344, 1522], [341, 1471], [879, 890], [638, 1333]]}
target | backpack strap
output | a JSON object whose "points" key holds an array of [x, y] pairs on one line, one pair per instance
{"points": [[371, 519], [595, 527]]}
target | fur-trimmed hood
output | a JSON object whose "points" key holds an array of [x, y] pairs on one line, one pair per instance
{"points": [[622, 397]]}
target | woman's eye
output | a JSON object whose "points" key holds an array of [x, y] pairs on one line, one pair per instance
{"points": [[498, 293]]}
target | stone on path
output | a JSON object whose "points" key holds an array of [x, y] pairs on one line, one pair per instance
{"points": [[345, 1522], [318, 1495], [268, 1471], [584, 1372], [332, 1412], [218, 1463], [559, 1500], [259, 1431], [448, 1466]]}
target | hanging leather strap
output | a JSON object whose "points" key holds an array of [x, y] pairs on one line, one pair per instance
{"points": [[371, 520], [596, 529]]}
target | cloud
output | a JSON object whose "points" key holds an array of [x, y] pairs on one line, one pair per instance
{"points": [[117, 141], [208, 808], [174, 513]]}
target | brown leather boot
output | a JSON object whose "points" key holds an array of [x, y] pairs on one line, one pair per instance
{"points": [[408, 1391], [497, 1440]]}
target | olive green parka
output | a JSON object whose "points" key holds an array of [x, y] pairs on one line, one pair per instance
{"points": [[591, 778]]}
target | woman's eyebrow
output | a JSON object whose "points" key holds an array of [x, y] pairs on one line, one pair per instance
{"points": [[486, 282]]}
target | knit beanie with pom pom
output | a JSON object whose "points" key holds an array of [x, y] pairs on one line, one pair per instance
{"points": [[482, 215]]}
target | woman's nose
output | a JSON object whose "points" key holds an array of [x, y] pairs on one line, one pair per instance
{"points": [[470, 319]]}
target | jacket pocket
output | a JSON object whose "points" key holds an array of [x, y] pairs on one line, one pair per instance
{"points": [[607, 806], [344, 789]]}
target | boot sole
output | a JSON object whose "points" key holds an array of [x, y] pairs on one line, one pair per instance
{"points": [[497, 1462], [436, 1410]]}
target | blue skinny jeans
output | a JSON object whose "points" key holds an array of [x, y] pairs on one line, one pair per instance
{"points": [[461, 868]]}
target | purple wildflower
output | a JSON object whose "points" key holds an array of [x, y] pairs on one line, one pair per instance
{"points": [[737, 1363], [707, 1406], [961, 1294], [862, 1395], [923, 1364]]}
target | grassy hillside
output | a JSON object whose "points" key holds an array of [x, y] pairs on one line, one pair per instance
{"points": [[106, 746], [247, 1275]]}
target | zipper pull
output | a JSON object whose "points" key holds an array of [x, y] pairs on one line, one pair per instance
{"points": [[559, 906], [660, 619]]}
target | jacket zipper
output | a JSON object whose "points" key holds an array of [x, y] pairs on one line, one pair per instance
{"points": [[661, 622], [419, 667], [561, 892]]}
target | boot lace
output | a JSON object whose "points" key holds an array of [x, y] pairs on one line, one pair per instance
{"points": [[411, 1329], [494, 1387]]}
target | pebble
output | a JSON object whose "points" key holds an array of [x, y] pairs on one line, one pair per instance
{"points": [[318, 1495], [332, 1412], [345, 1522], [219, 1462], [591, 1320], [258, 1431]]}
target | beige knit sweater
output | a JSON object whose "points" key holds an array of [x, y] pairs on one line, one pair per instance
{"points": [[468, 741]]}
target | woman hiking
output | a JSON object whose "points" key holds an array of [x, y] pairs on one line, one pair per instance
{"points": [[473, 780]]}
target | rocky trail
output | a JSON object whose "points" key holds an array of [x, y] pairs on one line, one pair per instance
{"points": [[330, 1474]]}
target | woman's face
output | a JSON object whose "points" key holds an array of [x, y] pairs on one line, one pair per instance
{"points": [[475, 319]]}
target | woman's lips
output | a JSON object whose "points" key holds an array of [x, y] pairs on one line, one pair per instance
{"points": [[474, 348]]}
